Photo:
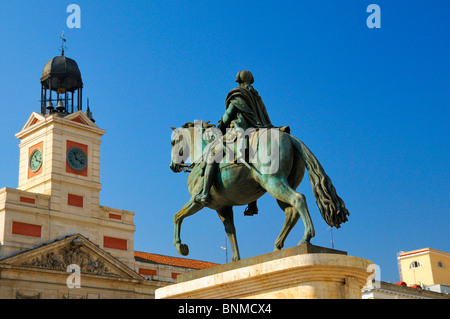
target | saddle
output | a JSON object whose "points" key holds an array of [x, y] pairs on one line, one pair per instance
{"points": [[251, 141]]}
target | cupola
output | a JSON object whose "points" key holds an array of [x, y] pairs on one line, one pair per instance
{"points": [[61, 86]]}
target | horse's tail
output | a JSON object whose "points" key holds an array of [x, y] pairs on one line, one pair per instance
{"points": [[331, 206]]}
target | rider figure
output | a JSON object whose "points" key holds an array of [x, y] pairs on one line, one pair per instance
{"points": [[244, 108]]}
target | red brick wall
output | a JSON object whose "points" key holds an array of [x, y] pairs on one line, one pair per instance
{"points": [[25, 229], [115, 216], [147, 272], [75, 200], [116, 243], [27, 200]]}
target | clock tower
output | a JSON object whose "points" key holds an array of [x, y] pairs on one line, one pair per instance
{"points": [[60, 147], [58, 191]]}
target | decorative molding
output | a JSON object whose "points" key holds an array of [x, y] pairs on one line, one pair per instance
{"points": [[72, 250], [68, 255], [23, 296], [73, 297]]}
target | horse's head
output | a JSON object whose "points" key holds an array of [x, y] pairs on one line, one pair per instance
{"points": [[189, 141], [180, 149]]}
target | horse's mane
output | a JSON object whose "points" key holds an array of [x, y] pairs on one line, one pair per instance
{"points": [[205, 125]]}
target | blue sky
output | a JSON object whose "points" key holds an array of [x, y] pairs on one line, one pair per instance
{"points": [[372, 104]]}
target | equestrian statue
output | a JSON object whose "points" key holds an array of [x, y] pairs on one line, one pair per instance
{"points": [[242, 158]]}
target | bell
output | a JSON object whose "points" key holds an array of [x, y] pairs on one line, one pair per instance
{"points": [[60, 107], [49, 106]]}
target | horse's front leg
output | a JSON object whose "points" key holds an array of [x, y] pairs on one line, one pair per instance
{"points": [[190, 208], [226, 216]]}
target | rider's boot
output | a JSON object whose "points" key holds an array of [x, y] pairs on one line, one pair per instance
{"points": [[208, 179]]}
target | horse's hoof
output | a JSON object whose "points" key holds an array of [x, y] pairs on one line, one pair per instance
{"points": [[278, 245], [182, 249], [302, 242]]}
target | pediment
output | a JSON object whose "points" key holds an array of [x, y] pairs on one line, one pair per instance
{"points": [[34, 118], [77, 250], [80, 117]]}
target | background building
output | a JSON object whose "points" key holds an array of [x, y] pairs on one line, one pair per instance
{"points": [[56, 240], [424, 274], [428, 268]]}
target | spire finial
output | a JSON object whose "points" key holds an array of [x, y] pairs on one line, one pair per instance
{"points": [[88, 112], [62, 44]]}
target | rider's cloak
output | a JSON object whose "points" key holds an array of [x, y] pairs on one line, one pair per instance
{"points": [[253, 112]]}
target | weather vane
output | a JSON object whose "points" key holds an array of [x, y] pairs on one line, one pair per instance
{"points": [[62, 44]]}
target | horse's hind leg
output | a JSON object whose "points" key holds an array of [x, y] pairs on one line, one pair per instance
{"points": [[292, 217], [226, 216], [280, 189], [189, 209]]}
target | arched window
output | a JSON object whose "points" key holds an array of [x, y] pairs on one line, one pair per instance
{"points": [[415, 264], [440, 264]]}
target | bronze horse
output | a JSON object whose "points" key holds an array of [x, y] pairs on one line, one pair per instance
{"points": [[238, 184]]}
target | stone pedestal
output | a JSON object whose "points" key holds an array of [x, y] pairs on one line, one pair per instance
{"points": [[305, 272]]}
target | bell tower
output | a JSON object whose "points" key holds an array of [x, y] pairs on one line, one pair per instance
{"points": [[61, 84]]}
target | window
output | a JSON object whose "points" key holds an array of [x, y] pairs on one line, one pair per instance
{"points": [[415, 264], [440, 264]]}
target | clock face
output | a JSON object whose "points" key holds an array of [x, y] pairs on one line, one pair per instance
{"points": [[76, 158], [35, 160]]}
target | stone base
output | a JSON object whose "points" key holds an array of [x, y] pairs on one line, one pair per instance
{"points": [[301, 272]]}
